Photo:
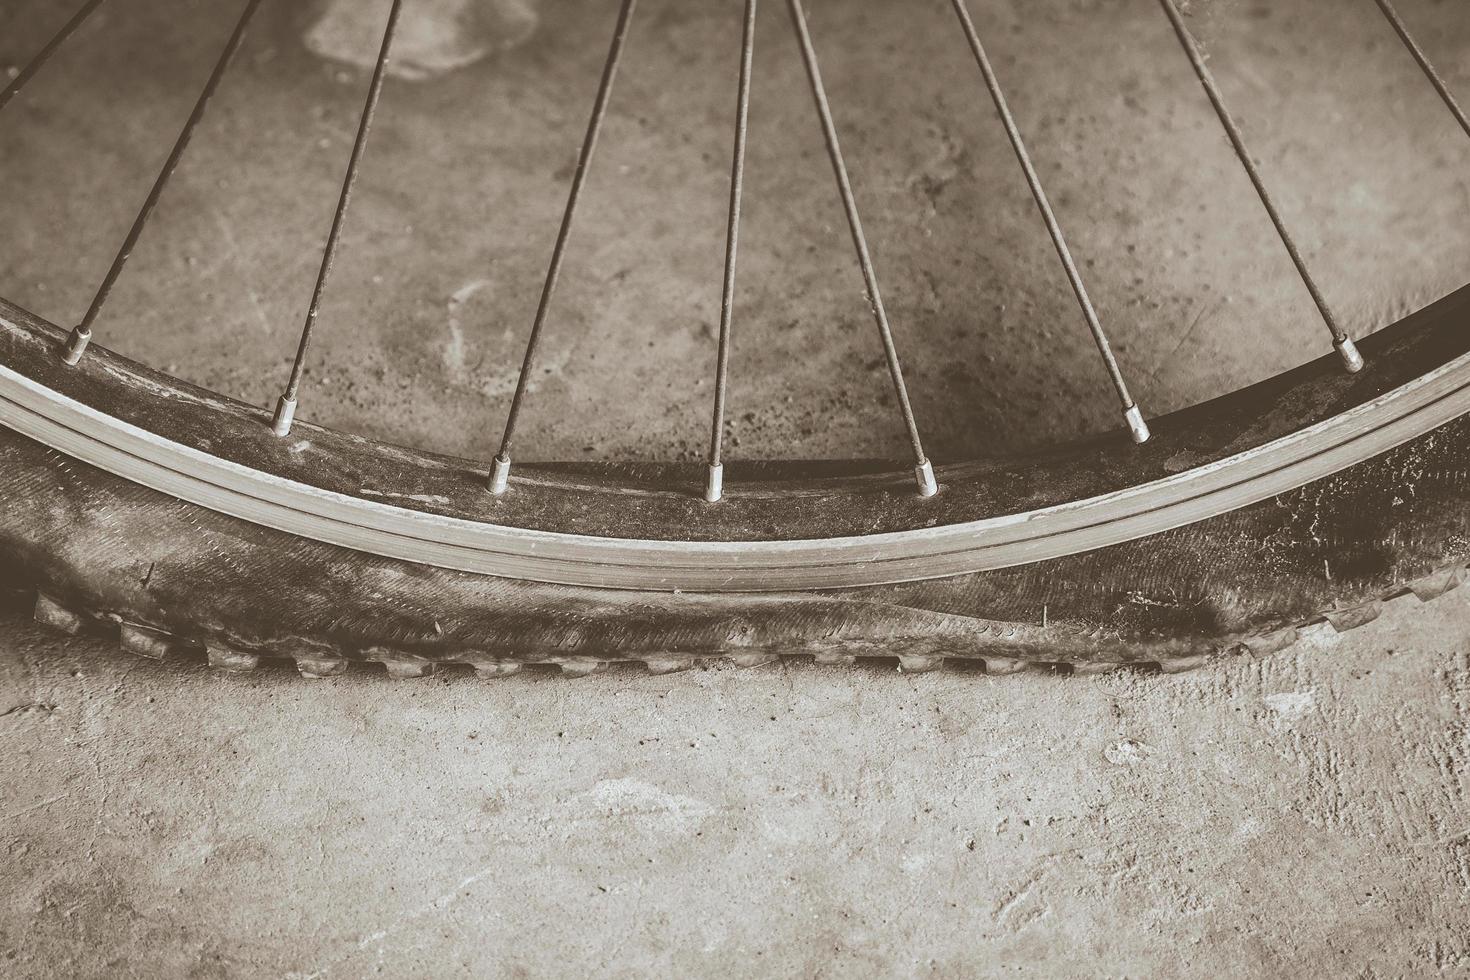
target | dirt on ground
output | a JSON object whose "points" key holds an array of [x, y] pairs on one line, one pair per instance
{"points": [[1303, 815]]}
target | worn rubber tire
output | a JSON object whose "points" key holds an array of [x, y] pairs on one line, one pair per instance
{"points": [[173, 574]]}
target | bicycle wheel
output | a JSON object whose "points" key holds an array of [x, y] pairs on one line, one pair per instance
{"points": [[196, 520]]}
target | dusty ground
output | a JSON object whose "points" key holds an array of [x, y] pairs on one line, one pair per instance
{"points": [[1302, 816], [1305, 815]]}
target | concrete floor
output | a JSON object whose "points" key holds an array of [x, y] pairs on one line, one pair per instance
{"points": [[1305, 815]]}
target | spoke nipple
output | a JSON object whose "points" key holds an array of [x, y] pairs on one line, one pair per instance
{"points": [[1348, 351], [924, 473], [714, 487], [76, 344], [1137, 427], [500, 475], [285, 415]]}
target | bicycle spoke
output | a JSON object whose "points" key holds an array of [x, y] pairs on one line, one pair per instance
{"points": [[500, 474], [923, 471], [1346, 349], [714, 484], [1424, 63], [285, 412], [44, 55], [1137, 427], [81, 334]]}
